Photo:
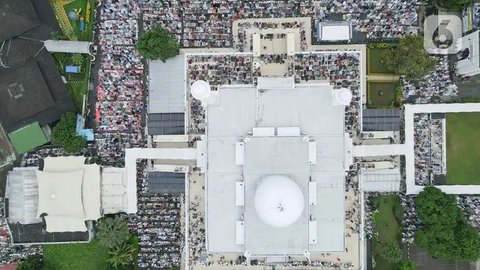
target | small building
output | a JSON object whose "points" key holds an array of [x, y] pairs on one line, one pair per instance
{"points": [[334, 31], [58, 202]]}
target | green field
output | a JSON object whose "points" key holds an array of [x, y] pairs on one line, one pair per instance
{"points": [[463, 148], [387, 224], [75, 256], [383, 94], [375, 65]]}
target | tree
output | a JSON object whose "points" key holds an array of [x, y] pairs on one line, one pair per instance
{"points": [[391, 252], [64, 134], [33, 262], [409, 58], [55, 35], [121, 256], [453, 4], [112, 232], [408, 265], [77, 59], [158, 44], [436, 207], [445, 232]]}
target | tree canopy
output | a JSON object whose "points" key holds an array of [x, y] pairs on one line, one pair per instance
{"points": [[453, 4], [33, 262], [158, 43], [445, 233], [64, 134], [409, 58], [391, 252], [408, 265], [112, 232]]}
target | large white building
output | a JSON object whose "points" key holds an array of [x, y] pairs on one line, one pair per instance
{"points": [[276, 158]]}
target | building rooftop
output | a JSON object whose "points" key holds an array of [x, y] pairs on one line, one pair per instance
{"points": [[276, 130], [27, 138], [31, 88]]}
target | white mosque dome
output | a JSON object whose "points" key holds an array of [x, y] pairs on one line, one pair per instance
{"points": [[279, 201], [343, 96], [200, 90]]}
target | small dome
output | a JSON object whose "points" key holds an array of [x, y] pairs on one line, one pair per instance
{"points": [[279, 201], [200, 90]]}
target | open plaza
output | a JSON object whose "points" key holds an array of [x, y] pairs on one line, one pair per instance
{"points": [[277, 137]]}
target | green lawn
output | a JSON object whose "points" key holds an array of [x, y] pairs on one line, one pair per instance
{"points": [[375, 65], [463, 148], [387, 225], [382, 94], [75, 256]]}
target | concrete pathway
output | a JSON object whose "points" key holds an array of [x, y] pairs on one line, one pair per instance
{"points": [[383, 77]]}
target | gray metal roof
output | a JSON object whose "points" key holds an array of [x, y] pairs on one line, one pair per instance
{"points": [[167, 86], [166, 123], [166, 182], [381, 120]]}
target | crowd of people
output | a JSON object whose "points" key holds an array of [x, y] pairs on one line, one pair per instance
{"points": [[429, 148], [470, 206], [209, 23], [157, 224], [9, 253], [340, 69], [120, 97], [410, 222], [198, 251], [159, 231], [244, 42], [217, 70], [436, 87]]}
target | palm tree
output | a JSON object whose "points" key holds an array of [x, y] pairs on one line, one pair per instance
{"points": [[77, 59], [112, 232], [121, 256]]}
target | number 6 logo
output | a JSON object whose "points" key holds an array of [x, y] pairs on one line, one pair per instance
{"points": [[442, 34]]}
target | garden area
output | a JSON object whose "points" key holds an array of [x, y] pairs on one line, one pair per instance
{"points": [[384, 94], [463, 148], [386, 244], [76, 19], [113, 248], [375, 62], [77, 82]]}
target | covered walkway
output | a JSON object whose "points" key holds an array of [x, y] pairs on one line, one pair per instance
{"points": [[131, 156]]}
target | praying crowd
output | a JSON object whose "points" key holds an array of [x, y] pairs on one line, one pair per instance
{"points": [[436, 87], [429, 148], [340, 69], [157, 224], [209, 23], [120, 95]]}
